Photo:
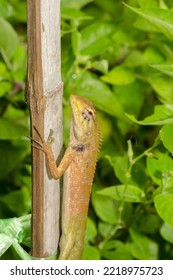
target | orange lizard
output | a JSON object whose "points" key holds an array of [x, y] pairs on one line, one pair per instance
{"points": [[78, 166]]}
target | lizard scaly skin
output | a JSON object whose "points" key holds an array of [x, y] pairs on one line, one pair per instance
{"points": [[78, 166]]}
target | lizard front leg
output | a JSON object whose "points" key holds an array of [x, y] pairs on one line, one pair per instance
{"points": [[57, 172], [46, 146]]}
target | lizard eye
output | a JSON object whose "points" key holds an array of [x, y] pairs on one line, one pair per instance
{"points": [[90, 112], [87, 114]]}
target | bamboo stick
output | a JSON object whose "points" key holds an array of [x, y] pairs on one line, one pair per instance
{"points": [[44, 96]]}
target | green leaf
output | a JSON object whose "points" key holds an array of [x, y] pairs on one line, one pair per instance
{"points": [[131, 97], [91, 230], [134, 59], [164, 206], [101, 65], [8, 38], [116, 250], [166, 135], [76, 37], [106, 126], [148, 3], [75, 4], [21, 252], [4, 87], [142, 247], [163, 114], [90, 253], [159, 167], [19, 11], [66, 28], [164, 68], [121, 166], [144, 25], [119, 76], [163, 86], [12, 231], [152, 55], [148, 223], [71, 13], [10, 157], [96, 37], [161, 18], [99, 93], [108, 213], [105, 229], [3, 70], [19, 64], [12, 201], [166, 232], [10, 130], [5, 243], [12, 227], [128, 193], [16, 117], [6, 9], [26, 233], [4, 74]]}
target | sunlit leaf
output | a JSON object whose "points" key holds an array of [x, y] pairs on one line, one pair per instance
{"points": [[128, 193], [142, 247], [5, 243], [90, 253], [70, 13], [164, 68], [116, 250], [75, 4], [119, 76], [10, 157], [96, 38], [91, 230], [164, 206], [160, 167], [166, 135], [161, 18], [167, 232], [10, 130], [8, 38], [108, 213], [163, 114]]}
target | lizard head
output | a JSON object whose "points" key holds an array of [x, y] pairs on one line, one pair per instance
{"points": [[83, 118]]}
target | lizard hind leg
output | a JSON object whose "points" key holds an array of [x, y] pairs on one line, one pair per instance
{"points": [[66, 245]]}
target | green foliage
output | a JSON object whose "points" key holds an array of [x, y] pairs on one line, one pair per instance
{"points": [[12, 232], [119, 55], [15, 169]]}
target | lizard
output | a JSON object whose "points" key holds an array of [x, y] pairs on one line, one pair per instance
{"points": [[78, 167]]}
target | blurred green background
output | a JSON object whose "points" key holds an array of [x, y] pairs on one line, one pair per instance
{"points": [[120, 56]]}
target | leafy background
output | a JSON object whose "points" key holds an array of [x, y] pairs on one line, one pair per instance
{"points": [[120, 56]]}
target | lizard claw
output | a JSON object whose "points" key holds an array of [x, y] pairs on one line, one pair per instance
{"points": [[41, 138], [37, 144], [41, 144]]}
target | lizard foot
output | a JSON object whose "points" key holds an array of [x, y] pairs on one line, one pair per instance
{"points": [[41, 144]]}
